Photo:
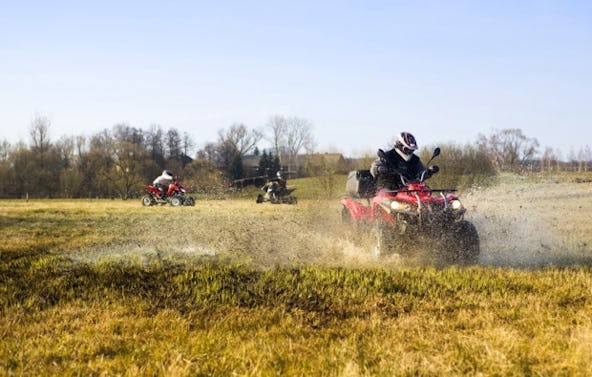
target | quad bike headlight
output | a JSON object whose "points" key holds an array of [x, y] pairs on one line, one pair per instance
{"points": [[455, 204], [400, 206]]}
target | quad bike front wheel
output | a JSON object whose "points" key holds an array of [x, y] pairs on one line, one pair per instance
{"points": [[383, 240], [189, 201], [259, 199], [346, 216], [148, 201], [464, 243]]}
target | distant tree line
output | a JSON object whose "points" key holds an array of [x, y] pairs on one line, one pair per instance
{"points": [[512, 151], [117, 162]]}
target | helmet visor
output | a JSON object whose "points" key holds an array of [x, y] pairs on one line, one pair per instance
{"points": [[407, 150]]}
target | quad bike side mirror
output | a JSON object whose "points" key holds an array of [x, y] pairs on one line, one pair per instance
{"points": [[436, 152], [381, 153], [434, 155]]}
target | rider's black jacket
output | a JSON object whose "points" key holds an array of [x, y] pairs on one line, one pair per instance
{"points": [[387, 170]]}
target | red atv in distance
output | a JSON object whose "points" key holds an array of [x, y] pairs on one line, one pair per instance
{"points": [[176, 195], [412, 216]]}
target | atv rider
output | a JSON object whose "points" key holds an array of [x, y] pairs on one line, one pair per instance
{"points": [[163, 181], [275, 187], [399, 161]]}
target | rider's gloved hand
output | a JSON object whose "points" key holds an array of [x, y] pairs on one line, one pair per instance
{"points": [[382, 169]]}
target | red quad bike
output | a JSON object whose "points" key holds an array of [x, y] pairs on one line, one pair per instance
{"points": [[176, 196], [410, 216]]}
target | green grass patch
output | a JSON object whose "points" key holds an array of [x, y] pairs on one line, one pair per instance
{"points": [[220, 319]]}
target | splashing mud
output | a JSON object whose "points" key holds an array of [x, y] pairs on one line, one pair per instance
{"points": [[521, 225], [533, 224]]}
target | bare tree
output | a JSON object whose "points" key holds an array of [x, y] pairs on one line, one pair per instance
{"points": [[188, 144], [128, 163], [173, 143], [208, 153], [279, 127], [70, 181], [5, 150], [587, 155], [97, 163], [218, 154], [240, 138], [548, 159], [155, 144], [509, 149], [233, 144], [584, 155], [290, 136], [299, 136], [123, 132], [81, 145], [66, 148], [39, 132]]}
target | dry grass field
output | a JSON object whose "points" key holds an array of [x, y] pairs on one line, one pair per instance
{"points": [[230, 287]]}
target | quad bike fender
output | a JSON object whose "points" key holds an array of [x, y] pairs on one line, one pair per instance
{"points": [[380, 215], [356, 209]]}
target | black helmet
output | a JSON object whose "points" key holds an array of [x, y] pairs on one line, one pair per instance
{"points": [[405, 144]]}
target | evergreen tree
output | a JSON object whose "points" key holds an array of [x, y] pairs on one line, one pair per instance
{"points": [[263, 163], [235, 167]]}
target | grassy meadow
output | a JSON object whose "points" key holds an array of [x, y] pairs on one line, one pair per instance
{"points": [[234, 288]]}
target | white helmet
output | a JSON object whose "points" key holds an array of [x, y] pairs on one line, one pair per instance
{"points": [[405, 145], [167, 174]]}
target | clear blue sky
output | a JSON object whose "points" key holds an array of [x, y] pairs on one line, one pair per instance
{"points": [[360, 71]]}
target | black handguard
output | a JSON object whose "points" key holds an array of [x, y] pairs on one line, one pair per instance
{"points": [[432, 170]]}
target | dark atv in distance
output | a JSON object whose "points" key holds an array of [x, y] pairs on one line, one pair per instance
{"points": [[277, 193], [413, 215]]}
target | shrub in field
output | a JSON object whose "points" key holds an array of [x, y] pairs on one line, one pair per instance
{"points": [[460, 167]]}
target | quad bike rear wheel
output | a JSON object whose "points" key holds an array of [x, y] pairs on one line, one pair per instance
{"points": [[189, 201], [259, 199]]}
